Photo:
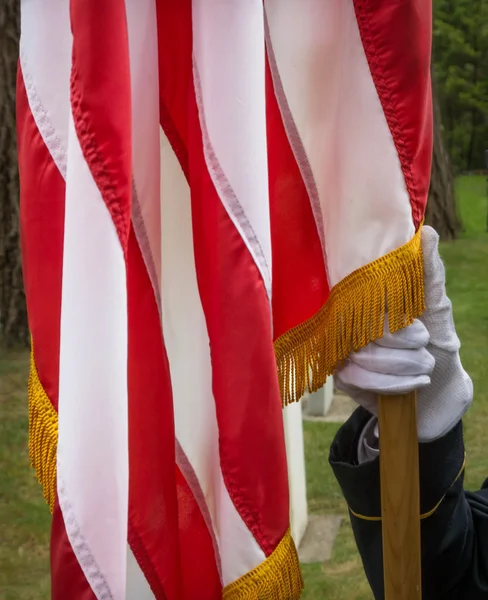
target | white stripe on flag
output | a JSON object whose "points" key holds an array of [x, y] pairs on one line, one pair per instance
{"points": [[146, 219], [45, 57], [143, 52], [45, 48], [188, 348], [93, 422], [336, 108], [229, 77]]}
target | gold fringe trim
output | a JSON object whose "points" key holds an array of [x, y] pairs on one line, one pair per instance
{"points": [[277, 578], [352, 317], [43, 435]]}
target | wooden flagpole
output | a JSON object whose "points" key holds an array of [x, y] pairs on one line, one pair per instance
{"points": [[400, 497]]}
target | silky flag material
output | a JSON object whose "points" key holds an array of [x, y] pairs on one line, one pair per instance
{"points": [[219, 202]]}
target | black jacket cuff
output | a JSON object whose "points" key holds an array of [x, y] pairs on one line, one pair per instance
{"points": [[441, 463]]}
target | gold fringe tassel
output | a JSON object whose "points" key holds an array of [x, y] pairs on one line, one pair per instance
{"points": [[277, 578], [352, 317], [43, 435]]}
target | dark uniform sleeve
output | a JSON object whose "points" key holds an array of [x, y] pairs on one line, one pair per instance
{"points": [[454, 522]]}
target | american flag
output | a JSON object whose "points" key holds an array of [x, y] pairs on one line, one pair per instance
{"points": [[204, 186]]}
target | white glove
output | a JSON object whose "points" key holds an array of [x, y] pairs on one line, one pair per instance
{"points": [[423, 357]]}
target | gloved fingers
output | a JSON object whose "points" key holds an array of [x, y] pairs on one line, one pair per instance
{"points": [[412, 337], [434, 271], [397, 361], [438, 314], [354, 376]]}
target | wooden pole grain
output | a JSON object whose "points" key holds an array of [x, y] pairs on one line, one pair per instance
{"points": [[400, 497]]}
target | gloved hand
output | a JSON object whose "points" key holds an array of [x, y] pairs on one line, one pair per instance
{"points": [[422, 357]]}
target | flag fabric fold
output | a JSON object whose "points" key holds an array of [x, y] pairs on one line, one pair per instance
{"points": [[219, 202]]}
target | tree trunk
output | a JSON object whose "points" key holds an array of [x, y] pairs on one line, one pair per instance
{"points": [[441, 206], [13, 315]]}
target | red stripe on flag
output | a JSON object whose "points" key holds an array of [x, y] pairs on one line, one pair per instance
{"points": [[175, 73], [101, 101], [153, 510], [42, 192], [67, 578], [300, 285], [245, 384], [175, 78], [200, 575], [397, 41], [167, 532]]}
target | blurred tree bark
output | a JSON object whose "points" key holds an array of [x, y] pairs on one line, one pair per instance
{"points": [[13, 315], [441, 207]]}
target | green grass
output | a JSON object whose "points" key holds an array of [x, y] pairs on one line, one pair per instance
{"points": [[466, 262], [467, 280], [24, 518]]}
